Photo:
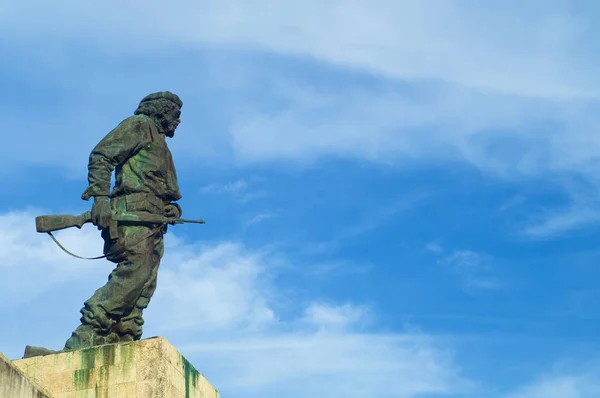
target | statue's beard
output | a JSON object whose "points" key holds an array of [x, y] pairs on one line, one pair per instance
{"points": [[170, 129], [167, 128]]}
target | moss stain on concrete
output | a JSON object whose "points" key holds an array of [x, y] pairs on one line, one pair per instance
{"points": [[107, 354], [81, 376], [89, 358], [191, 376], [81, 379], [127, 355]]}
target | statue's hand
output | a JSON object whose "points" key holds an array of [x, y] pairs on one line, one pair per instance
{"points": [[172, 210], [101, 213]]}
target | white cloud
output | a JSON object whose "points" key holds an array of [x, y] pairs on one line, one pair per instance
{"points": [[475, 270], [497, 133], [242, 190], [220, 307], [534, 48], [327, 317], [212, 288], [560, 222], [333, 269], [372, 219], [561, 384], [260, 217], [494, 58], [582, 210], [31, 263], [232, 187], [329, 365], [434, 247], [323, 354]]}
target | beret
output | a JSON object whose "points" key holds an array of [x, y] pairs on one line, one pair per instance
{"points": [[163, 94]]}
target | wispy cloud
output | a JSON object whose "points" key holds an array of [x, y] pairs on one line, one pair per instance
{"points": [[474, 269], [328, 317], [561, 222], [487, 111], [528, 50], [562, 383], [369, 222], [231, 187], [322, 353], [582, 210], [511, 203], [330, 365], [220, 284], [434, 247], [260, 217], [336, 268], [242, 190], [32, 264]]}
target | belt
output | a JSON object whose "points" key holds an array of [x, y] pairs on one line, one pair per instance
{"points": [[142, 201]]}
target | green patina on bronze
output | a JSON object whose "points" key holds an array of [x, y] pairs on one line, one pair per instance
{"points": [[145, 183]]}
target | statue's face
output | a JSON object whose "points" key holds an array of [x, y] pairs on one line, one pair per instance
{"points": [[171, 121]]}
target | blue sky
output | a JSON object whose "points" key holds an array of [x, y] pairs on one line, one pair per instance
{"points": [[401, 197]]}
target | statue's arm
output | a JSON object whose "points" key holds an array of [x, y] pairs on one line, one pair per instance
{"points": [[114, 149]]}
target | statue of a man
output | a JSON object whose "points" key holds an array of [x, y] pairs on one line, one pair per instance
{"points": [[145, 181]]}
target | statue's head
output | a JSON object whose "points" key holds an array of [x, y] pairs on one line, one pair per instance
{"points": [[165, 108]]}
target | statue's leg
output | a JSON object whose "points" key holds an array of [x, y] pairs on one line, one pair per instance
{"points": [[118, 297], [129, 326]]}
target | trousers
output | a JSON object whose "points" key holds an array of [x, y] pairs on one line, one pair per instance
{"points": [[114, 312]]}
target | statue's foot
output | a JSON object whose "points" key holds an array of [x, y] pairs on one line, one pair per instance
{"points": [[31, 351]]}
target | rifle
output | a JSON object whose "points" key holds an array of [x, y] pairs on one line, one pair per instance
{"points": [[50, 223], [62, 221]]}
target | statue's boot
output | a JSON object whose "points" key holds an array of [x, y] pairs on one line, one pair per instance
{"points": [[82, 337], [32, 351]]}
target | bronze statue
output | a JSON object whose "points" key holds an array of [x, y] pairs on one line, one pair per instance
{"points": [[133, 219]]}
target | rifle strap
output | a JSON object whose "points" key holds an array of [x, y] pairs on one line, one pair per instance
{"points": [[72, 254], [152, 232]]}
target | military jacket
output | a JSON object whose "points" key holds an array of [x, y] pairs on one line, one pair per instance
{"points": [[141, 159]]}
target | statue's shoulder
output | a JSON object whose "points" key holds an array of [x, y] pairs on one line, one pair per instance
{"points": [[137, 123]]}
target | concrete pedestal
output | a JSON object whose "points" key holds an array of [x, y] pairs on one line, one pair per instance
{"points": [[150, 368], [14, 384]]}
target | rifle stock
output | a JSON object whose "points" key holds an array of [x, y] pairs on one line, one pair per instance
{"points": [[61, 221]]}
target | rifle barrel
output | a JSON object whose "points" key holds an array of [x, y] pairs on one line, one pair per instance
{"points": [[193, 221]]}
